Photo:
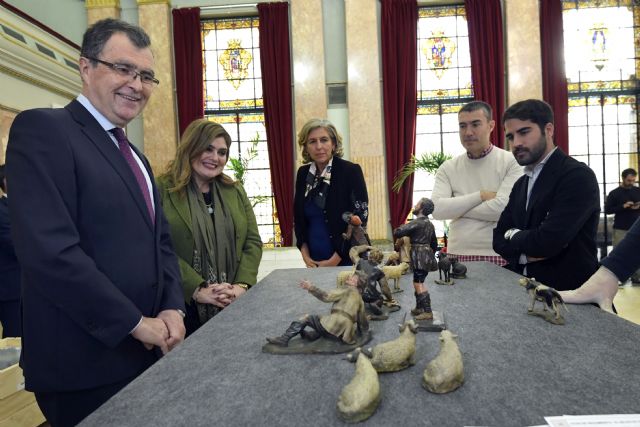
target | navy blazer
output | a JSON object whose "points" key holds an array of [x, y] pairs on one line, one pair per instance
{"points": [[559, 225], [347, 185], [92, 261], [9, 267]]}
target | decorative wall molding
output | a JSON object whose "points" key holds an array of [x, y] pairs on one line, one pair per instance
{"points": [[92, 4], [143, 2], [31, 54]]}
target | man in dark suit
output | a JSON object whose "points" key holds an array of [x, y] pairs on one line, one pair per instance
{"points": [[9, 269], [548, 228], [101, 291]]}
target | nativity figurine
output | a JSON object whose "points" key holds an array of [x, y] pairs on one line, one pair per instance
{"points": [[445, 373], [423, 240], [548, 296], [346, 323]]}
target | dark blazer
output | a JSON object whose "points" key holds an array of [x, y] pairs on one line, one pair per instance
{"points": [[92, 261], [9, 267], [347, 186], [560, 224]]}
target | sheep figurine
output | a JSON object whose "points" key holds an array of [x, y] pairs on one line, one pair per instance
{"points": [[394, 272], [445, 373], [458, 270], [444, 266], [360, 398], [394, 355]]}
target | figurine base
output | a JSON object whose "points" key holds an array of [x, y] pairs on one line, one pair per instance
{"points": [[548, 316], [396, 290], [444, 282], [437, 324], [456, 276], [322, 345]]}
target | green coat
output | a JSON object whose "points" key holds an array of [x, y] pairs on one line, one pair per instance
{"points": [[248, 243]]}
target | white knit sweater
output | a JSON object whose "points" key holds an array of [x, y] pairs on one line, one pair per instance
{"points": [[456, 195]]}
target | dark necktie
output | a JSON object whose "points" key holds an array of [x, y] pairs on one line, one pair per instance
{"points": [[123, 144]]}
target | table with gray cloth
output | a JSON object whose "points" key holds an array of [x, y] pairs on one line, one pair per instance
{"points": [[518, 368]]}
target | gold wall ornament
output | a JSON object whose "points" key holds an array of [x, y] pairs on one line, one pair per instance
{"points": [[235, 61], [90, 4], [438, 50]]}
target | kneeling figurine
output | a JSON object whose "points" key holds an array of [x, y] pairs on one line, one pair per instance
{"points": [[548, 296]]}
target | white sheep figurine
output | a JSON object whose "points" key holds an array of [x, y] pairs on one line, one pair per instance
{"points": [[394, 272], [445, 373], [394, 355], [360, 398]]}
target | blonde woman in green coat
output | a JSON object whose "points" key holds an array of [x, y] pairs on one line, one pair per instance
{"points": [[213, 227]]}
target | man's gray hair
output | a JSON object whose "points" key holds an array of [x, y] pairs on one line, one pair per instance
{"points": [[97, 36]]}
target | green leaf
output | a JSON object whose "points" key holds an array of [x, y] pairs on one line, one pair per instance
{"points": [[428, 162]]}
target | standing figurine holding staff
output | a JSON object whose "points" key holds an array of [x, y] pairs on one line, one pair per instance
{"points": [[423, 246]]}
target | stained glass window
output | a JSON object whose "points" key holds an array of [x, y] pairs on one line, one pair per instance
{"points": [[601, 62], [233, 98], [444, 86]]}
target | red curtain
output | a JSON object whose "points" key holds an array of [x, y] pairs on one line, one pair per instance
{"points": [[187, 44], [276, 91], [399, 56], [554, 80], [484, 18]]}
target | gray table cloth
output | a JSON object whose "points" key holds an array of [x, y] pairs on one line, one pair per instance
{"points": [[518, 368]]}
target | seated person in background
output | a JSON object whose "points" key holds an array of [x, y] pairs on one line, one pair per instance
{"points": [[213, 227], [548, 228], [472, 189], [326, 187], [602, 286], [624, 202], [9, 269]]}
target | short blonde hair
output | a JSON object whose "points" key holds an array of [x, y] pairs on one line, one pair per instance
{"points": [[195, 140], [312, 125]]}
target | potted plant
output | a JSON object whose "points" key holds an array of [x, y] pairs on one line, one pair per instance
{"points": [[428, 162]]}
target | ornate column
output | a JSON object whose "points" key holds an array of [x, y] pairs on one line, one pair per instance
{"points": [[524, 64], [101, 9], [365, 115], [307, 47], [159, 117]]}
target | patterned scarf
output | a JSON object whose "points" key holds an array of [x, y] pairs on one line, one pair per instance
{"points": [[214, 251], [318, 185]]}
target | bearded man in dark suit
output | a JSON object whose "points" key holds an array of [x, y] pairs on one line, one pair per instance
{"points": [[101, 289], [548, 228]]}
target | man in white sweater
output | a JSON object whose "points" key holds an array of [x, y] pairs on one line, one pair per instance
{"points": [[473, 188]]}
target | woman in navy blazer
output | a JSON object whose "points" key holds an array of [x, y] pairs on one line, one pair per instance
{"points": [[326, 187]]}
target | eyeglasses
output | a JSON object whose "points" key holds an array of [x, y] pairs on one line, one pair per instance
{"points": [[130, 72]]}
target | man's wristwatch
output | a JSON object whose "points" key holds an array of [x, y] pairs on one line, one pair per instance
{"points": [[243, 286], [180, 312]]}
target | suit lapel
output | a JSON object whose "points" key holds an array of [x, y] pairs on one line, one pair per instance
{"points": [[181, 205], [99, 137]]}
